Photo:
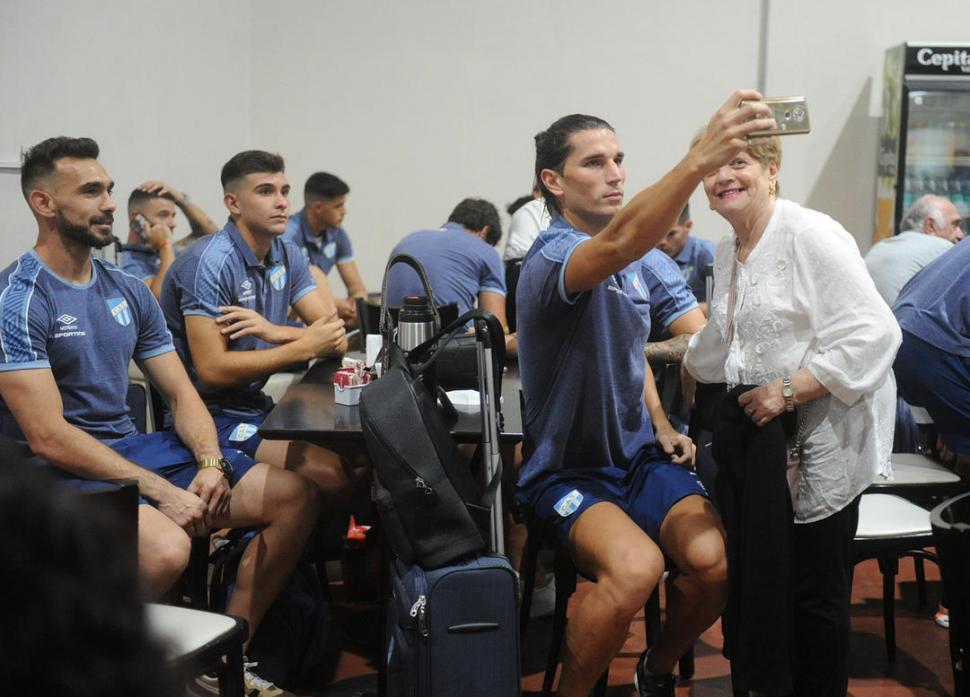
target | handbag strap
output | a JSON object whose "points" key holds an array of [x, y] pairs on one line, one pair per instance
{"points": [[385, 322]]}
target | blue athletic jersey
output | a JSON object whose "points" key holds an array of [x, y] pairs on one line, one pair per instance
{"points": [[935, 305], [692, 260], [140, 260], [459, 267], [582, 362], [670, 296], [222, 270], [85, 334], [333, 247]]}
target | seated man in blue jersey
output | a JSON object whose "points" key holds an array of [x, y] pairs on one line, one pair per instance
{"points": [[316, 231], [692, 254], [150, 249], [933, 364], [74, 323], [460, 260], [595, 480], [226, 301]]}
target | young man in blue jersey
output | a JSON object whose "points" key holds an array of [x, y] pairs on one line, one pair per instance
{"points": [[150, 248], [74, 324], [226, 300], [692, 254], [597, 479], [460, 260], [317, 231]]}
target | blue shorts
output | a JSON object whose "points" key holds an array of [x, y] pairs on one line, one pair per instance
{"points": [[646, 493], [162, 453], [939, 382], [239, 432]]}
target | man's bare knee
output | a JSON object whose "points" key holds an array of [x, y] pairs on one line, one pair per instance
{"points": [[632, 578], [163, 551]]}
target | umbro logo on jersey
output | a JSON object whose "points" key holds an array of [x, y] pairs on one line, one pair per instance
{"points": [[246, 285], [68, 327]]}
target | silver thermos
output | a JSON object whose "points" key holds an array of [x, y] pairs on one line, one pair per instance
{"points": [[415, 324]]}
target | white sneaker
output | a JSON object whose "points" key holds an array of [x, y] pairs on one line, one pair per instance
{"points": [[942, 618], [254, 686], [544, 598], [257, 687]]}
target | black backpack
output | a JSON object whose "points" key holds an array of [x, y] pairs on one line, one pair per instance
{"points": [[432, 508]]}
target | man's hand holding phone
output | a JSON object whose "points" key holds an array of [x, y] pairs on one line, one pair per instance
{"points": [[155, 235]]}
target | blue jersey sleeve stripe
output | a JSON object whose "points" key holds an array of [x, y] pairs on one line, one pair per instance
{"points": [[30, 365], [207, 274], [151, 353], [15, 303], [345, 260], [680, 312], [492, 289], [562, 273], [302, 294]]}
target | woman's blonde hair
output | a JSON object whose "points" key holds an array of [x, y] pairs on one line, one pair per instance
{"points": [[766, 150]]}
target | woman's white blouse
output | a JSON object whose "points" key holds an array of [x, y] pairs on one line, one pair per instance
{"points": [[805, 300]]}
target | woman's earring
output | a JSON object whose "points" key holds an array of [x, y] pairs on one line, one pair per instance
{"points": [[772, 189]]}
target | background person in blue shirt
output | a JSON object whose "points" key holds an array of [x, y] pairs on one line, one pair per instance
{"points": [[151, 221], [692, 255], [316, 230], [594, 478], [460, 260], [74, 325], [226, 301], [933, 364]]}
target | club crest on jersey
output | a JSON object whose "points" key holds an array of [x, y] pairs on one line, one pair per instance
{"points": [[635, 279], [277, 277], [118, 307]]}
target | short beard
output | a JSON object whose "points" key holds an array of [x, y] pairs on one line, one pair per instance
{"points": [[82, 233]]}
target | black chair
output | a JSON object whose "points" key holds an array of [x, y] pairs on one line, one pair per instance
{"points": [[950, 522], [513, 267], [369, 315], [891, 527]]}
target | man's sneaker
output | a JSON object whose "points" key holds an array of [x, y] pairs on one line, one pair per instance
{"points": [[942, 618], [203, 686], [652, 685], [544, 599], [257, 687]]}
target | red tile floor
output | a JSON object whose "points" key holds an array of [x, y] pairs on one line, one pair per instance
{"points": [[921, 668]]}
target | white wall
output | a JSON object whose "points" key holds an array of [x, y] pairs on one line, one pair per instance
{"points": [[164, 87], [418, 104]]}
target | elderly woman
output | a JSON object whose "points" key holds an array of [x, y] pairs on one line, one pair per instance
{"points": [[795, 314]]}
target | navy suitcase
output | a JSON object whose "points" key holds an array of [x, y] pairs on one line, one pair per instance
{"points": [[454, 631]]}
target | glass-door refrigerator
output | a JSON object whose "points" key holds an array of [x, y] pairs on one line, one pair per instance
{"points": [[924, 145]]}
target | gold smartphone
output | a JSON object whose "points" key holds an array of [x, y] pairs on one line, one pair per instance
{"points": [[790, 114]]}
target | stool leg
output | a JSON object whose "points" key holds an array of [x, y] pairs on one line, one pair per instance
{"points": [[889, 566], [231, 678], [599, 690], [558, 632], [687, 664], [530, 556], [920, 581]]}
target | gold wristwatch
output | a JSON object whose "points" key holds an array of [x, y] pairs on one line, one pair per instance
{"points": [[788, 394], [221, 463]]}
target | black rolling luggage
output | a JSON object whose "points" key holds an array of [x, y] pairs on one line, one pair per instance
{"points": [[453, 631]]}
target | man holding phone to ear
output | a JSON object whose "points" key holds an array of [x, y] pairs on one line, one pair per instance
{"points": [[151, 222]]}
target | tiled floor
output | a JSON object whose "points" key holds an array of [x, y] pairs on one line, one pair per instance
{"points": [[921, 668]]}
